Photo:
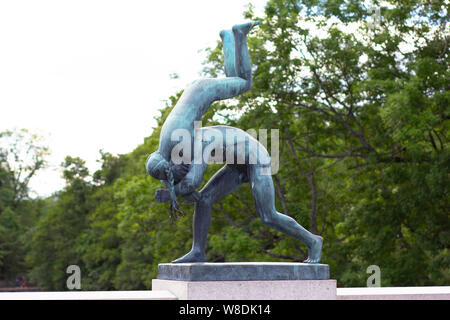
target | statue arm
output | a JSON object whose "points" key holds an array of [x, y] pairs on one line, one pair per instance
{"points": [[191, 181], [165, 184]]}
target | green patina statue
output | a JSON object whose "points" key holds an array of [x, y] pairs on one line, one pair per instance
{"points": [[181, 170]]}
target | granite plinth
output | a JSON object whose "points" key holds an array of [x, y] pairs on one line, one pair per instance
{"points": [[243, 271], [249, 290]]}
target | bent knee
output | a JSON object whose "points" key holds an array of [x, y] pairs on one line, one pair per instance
{"points": [[268, 219], [205, 201]]}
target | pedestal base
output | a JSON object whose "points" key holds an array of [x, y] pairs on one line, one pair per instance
{"points": [[246, 281], [249, 290], [243, 271]]}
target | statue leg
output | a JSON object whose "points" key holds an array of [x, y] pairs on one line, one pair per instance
{"points": [[242, 63], [235, 41], [228, 47], [237, 68], [263, 194], [225, 181]]}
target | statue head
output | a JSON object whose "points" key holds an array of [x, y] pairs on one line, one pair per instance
{"points": [[157, 166]]}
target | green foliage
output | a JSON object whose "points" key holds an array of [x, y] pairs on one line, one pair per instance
{"points": [[22, 154], [363, 115], [58, 238]]}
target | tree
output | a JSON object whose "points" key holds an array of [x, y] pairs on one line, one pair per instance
{"points": [[112, 168], [57, 238], [22, 154], [363, 112], [363, 118]]}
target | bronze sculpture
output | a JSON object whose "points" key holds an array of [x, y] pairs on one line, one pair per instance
{"points": [[183, 178]]}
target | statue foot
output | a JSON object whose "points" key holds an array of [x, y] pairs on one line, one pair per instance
{"points": [[315, 251], [191, 257], [245, 27], [225, 33]]}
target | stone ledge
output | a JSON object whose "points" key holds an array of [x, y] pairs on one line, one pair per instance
{"points": [[394, 293], [243, 271], [89, 295], [244, 290]]}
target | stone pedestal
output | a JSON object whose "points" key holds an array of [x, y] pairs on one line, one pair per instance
{"points": [[246, 281], [249, 290]]}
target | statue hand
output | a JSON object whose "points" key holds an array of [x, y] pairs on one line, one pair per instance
{"points": [[162, 195]]}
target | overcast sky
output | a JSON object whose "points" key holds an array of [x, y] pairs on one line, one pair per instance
{"points": [[91, 75]]}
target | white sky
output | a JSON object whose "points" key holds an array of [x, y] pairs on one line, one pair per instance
{"points": [[91, 75]]}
